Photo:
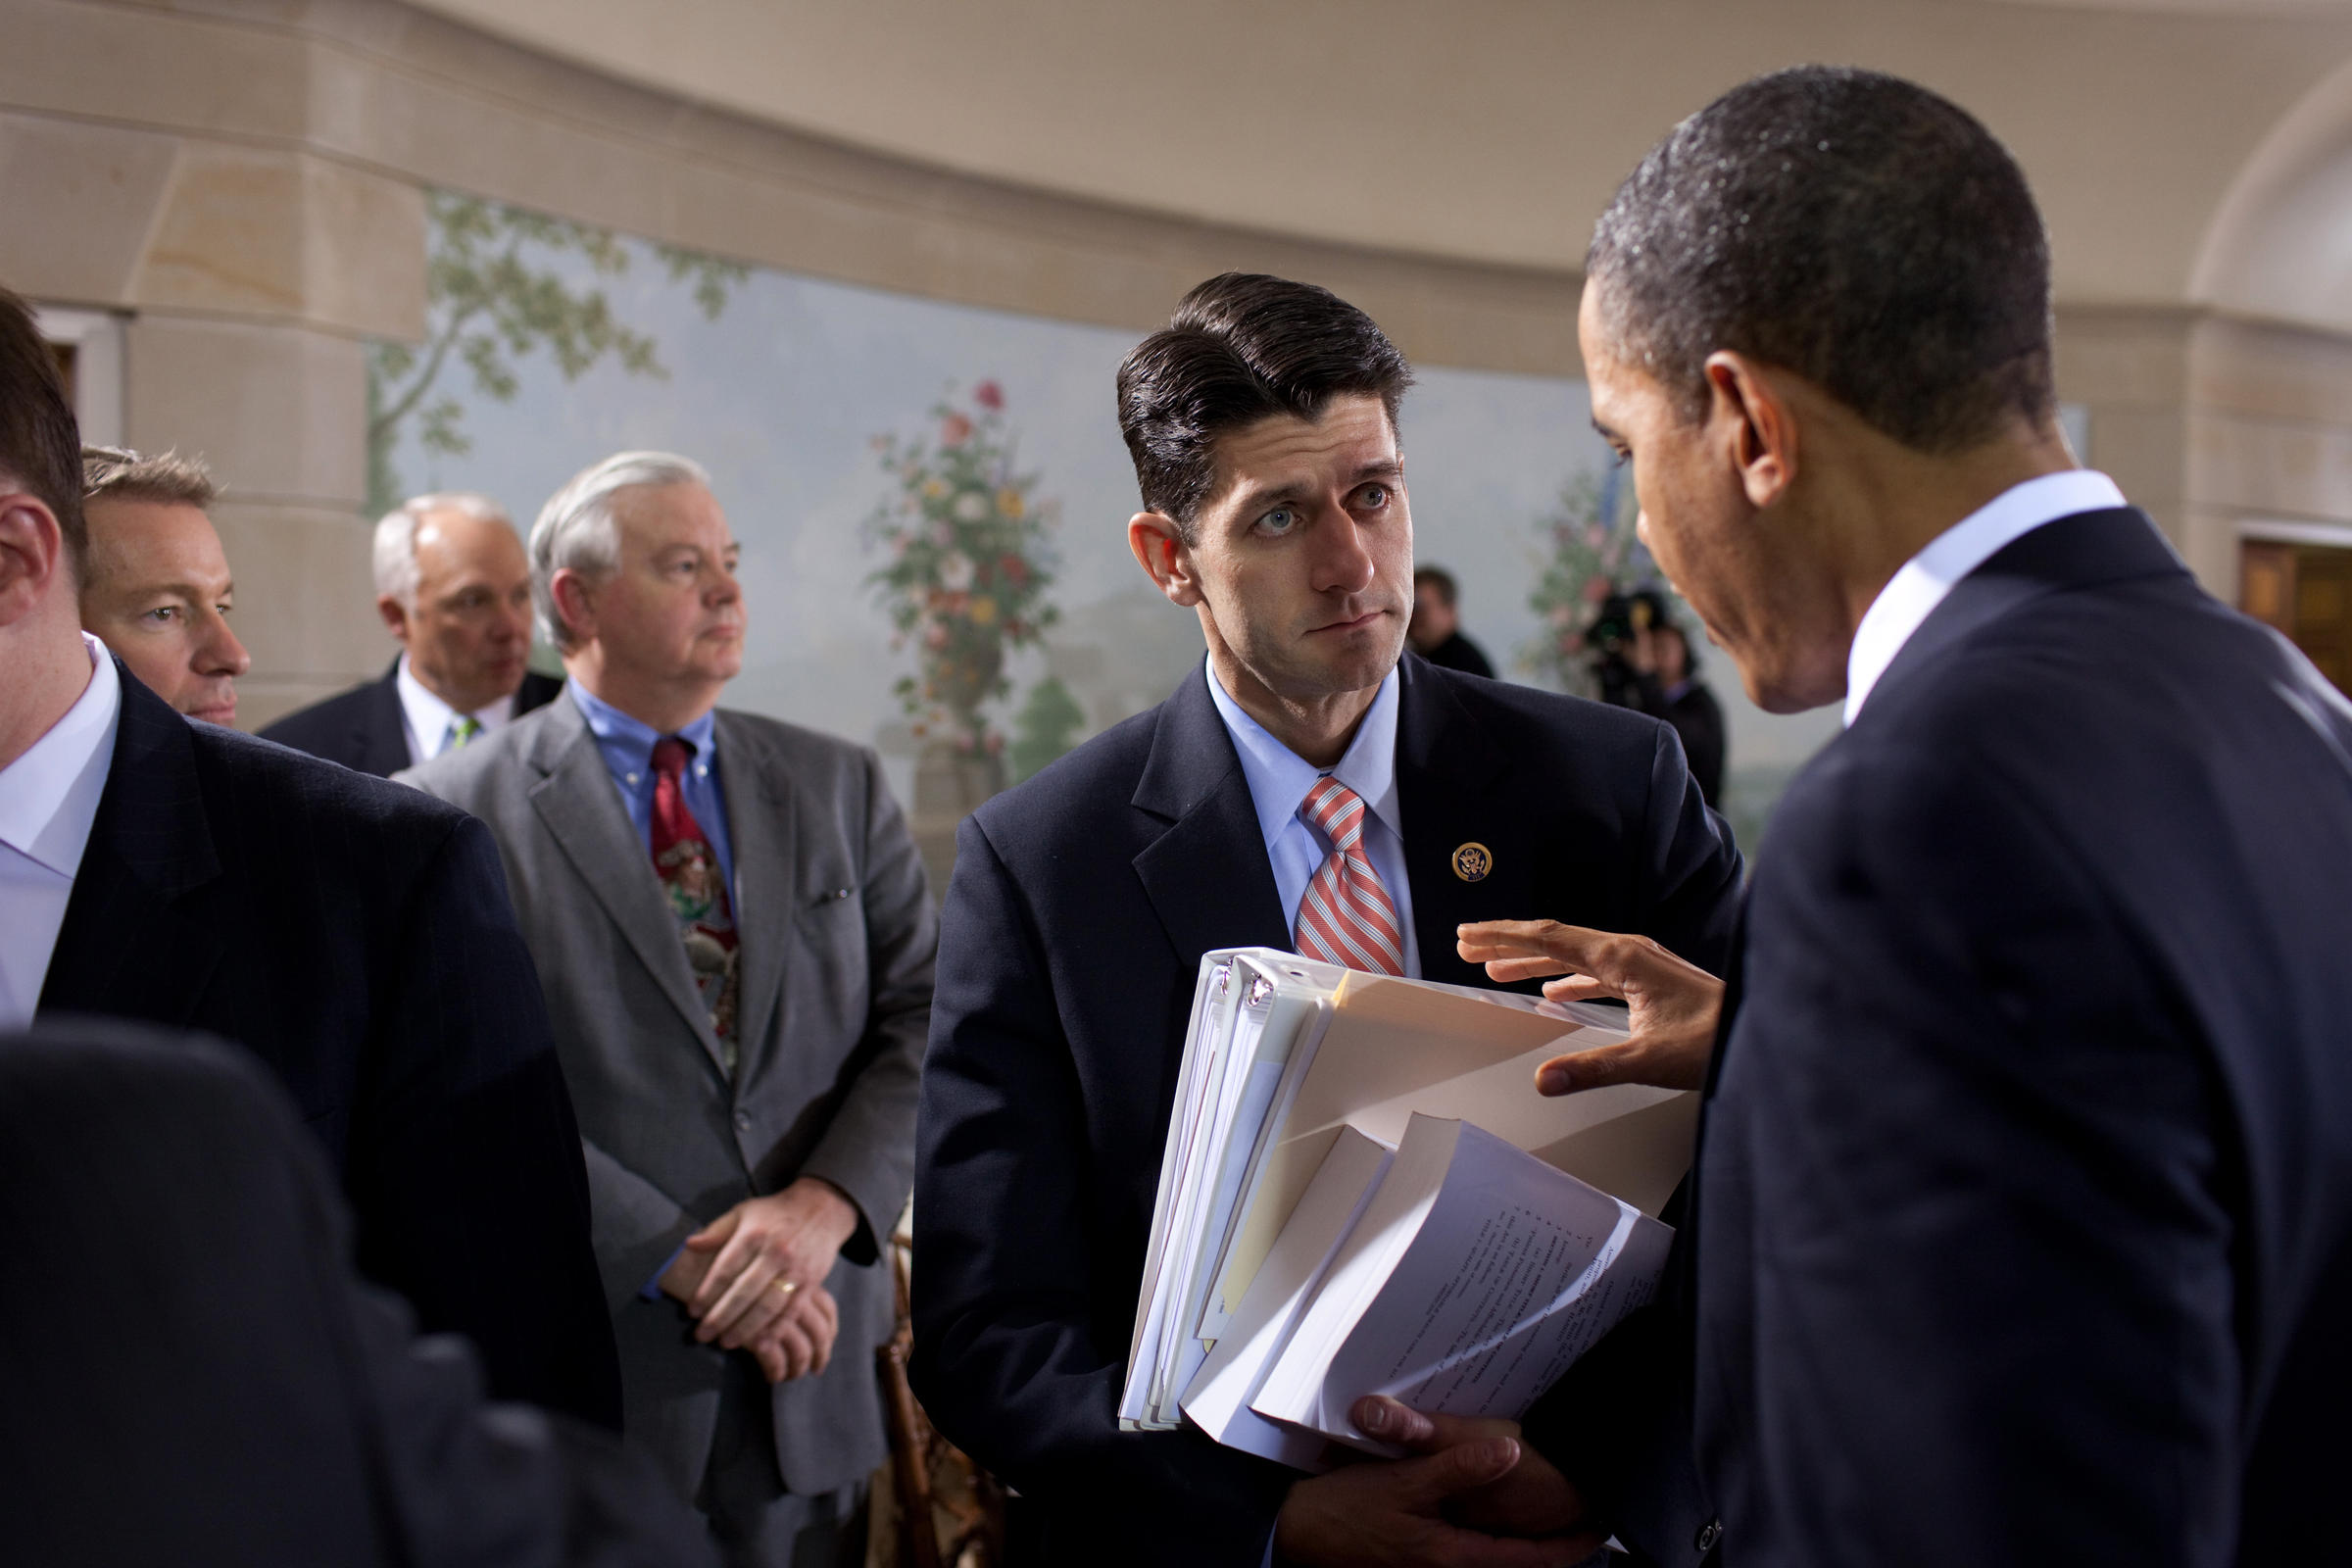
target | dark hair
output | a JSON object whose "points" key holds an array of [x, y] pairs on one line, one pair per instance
{"points": [[40, 446], [1241, 348], [1442, 580], [1849, 226]]}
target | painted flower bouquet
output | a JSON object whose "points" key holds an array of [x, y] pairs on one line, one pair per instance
{"points": [[968, 564], [1590, 554]]}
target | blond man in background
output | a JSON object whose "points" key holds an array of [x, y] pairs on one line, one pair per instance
{"points": [[156, 590]]}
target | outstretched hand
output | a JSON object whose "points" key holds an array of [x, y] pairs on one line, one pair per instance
{"points": [[1672, 1006]]}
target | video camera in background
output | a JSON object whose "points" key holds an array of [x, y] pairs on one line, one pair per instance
{"points": [[1622, 616]]}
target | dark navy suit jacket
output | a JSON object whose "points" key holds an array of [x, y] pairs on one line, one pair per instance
{"points": [[1074, 925], [356, 935], [2025, 1208], [194, 1375], [364, 729]]}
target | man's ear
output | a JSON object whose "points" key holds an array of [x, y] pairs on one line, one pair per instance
{"points": [[396, 618], [33, 556], [1159, 549], [575, 603], [1746, 410]]}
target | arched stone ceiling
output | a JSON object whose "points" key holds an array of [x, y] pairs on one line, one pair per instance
{"points": [[1484, 129]]}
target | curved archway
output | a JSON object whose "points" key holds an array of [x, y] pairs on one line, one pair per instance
{"points": [[2278, 245]]}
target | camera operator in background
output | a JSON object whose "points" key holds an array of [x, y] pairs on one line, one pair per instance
{"points": [[1643, 660]]}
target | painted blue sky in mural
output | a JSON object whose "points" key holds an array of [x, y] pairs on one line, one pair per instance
{"points": [[781, 397]]}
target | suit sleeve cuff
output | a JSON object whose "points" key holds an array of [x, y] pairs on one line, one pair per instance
{"points": [[650, 1289]]}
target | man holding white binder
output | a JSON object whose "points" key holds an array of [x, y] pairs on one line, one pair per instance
{"points": [[1307, 789]]}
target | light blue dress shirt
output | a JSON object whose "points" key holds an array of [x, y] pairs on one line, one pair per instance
{"points": [[1279, 779], [628, 746], [48, 802]]}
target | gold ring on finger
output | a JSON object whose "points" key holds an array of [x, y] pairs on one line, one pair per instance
{"points": [[785, 1286]]}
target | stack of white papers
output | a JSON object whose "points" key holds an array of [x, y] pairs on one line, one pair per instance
{"points": [[1362, 1191]]}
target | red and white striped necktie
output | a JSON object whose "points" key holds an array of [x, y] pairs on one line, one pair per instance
{"points": [[1347, 917]]}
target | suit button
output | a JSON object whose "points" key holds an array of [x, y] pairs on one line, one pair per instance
{"points": [[1708, 1534], [743, 1121]]}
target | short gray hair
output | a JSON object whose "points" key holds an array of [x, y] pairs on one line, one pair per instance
{"points": [[576, 530], [397, 574]]}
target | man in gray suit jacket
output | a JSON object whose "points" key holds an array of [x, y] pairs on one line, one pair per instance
{"points": [[731, 924]]}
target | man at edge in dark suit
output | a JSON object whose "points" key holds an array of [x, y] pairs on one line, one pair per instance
{"points": [[1303, 787], [454, 588], [353, 934], [219, 1390], [2023, 1222]]}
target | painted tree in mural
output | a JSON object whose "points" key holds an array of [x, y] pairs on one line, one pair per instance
{"points": [[502, 284], [970, 562], [1591, 554]]}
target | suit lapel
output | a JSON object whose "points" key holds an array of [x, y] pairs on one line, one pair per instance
{"points": [[1447, 768], [126, 948], [382, 735], [576, 801], [762, 830], [1207, 876]]}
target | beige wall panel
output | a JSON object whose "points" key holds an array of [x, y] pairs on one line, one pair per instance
{"points": [[363, 245], [2211, 549], [261, 234], [81, 200], [279, 410], [154, 66], [305, 607], [231, 236], [2140, 449], [2272, 372], [2123, 359], [1492, 129], [2276, 468]]}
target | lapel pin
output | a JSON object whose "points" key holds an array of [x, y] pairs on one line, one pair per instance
{"points": [[1472, 862]]}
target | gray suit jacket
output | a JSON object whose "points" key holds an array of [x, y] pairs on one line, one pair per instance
{"points": [[838, 938]]}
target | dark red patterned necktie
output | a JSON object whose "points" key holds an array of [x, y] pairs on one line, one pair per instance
{"points": [[698, 891]]}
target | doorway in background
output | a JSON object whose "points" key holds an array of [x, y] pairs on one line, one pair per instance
{"points": [[2305, 590]]}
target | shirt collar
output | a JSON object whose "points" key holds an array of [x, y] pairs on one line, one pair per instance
{"points": [[431, 718], [49, 796], [628, 742], [1279, 777], [1912, 593]]}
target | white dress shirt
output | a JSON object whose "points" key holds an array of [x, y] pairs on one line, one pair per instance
{"points": [[1279, 779], [431, 724], [48, 799], [1912, 593]]}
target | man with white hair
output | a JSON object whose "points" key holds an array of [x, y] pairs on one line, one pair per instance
{"points": [[455, 590], [735, 940]]}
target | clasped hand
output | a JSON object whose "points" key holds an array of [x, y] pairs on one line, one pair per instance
{"points": [[1472, 1495], [753, 1278]]}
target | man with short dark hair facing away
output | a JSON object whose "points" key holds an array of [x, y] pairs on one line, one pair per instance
{"points": [[1309, 786], [2023, 1220]]}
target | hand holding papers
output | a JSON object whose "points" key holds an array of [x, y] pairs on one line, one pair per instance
{"points": [[1288, 1275]]}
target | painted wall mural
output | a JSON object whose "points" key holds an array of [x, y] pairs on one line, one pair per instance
{"points": [[933, 497]]}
